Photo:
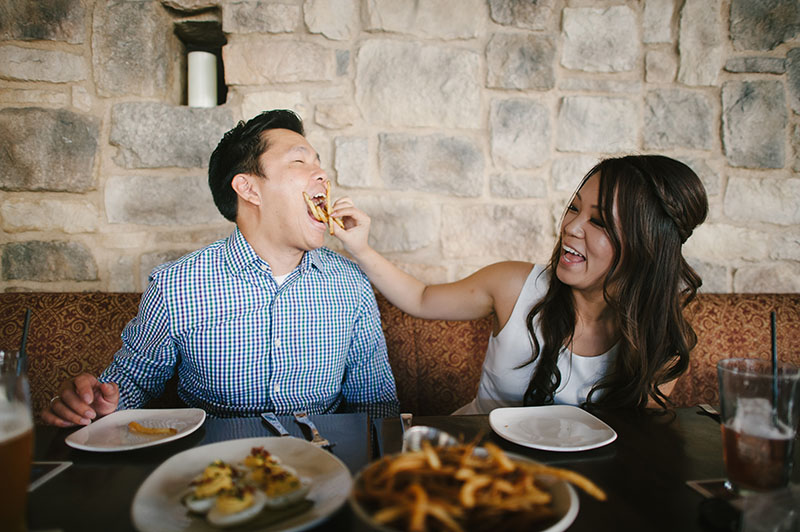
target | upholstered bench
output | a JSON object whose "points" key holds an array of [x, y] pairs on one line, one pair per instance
{"points": [[436, 363]]}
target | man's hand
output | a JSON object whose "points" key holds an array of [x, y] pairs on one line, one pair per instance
{"points": [[80, 401]]}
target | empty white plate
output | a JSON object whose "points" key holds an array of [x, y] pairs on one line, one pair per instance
{"points": [[562, 428]]}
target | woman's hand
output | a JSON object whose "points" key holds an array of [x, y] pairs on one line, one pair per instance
{"points": [[355, 235]]}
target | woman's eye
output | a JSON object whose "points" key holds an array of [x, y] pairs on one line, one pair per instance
{"points": [[598, 223], [572, 208]]}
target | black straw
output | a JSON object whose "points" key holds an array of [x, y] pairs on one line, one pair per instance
{"points": [[773, 328], [22, 362]]}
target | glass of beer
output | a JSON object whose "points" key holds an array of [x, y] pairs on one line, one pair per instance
{"points": [[759, 416], [16, 441]]}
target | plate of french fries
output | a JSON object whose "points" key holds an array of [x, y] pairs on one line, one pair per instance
{"points": [[466, 488], [125, 430]]}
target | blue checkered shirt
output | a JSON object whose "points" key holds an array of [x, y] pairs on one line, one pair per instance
{"points": [[244, 345]]}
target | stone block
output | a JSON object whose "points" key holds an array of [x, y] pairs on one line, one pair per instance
{"points": [[335, 115], [793, 79], [29, 64], [754, 123], [81, 99], [120, 275], [495, 232], [134, 48], [442, 19], [524, 14], [763, 25], [342, 62], [335, 19], [593, 42], [675, 118], [48, 261], [260, 16], [767, 65], [600, 85], [796, 148], [657, 21], [400, 224], [47, 149], [520, 133], [155, 135], [352, 162], [20, 215], [568, 171], [152, 200], [433, 163], [716, 278], [700, 43], [660, 66], [520, 61], [780, 278], [416, 85], [34, 96], [710, 177], [771, 200], [255, 103], [517, 186], [596, 123], [786, 245], [719, 243], [265, 61], [54, 20]]}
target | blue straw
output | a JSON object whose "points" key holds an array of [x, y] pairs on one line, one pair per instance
{"points": [[773, 327], [22, 362]]}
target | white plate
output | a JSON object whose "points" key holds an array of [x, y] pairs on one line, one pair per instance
{"points": [[157, 506], [564, 503], [110, 433], [551, 428]]}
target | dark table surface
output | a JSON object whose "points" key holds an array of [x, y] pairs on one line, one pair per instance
{"points": [[644, 472]]}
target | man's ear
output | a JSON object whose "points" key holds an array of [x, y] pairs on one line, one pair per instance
{"points": [[244, 186]]}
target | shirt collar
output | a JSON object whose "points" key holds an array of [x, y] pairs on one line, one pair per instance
{"points": [[241, 255]]}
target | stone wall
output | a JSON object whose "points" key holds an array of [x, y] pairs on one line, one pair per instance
{"points": [[460, 126]]}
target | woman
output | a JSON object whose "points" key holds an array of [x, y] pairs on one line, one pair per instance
{"points": [[602, 323]]}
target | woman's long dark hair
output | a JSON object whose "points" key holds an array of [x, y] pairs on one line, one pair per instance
{"points": [[659, 201]]}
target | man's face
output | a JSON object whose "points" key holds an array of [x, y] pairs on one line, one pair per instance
{"points": [[291, 167]]}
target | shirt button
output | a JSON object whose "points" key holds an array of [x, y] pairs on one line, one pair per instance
{"points": [[277, 342], [277, 388]]}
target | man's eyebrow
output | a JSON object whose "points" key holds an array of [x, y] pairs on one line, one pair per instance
{"points": [[304, 151]]}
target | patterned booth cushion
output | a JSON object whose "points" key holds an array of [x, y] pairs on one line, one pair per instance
{"points": [[735, 325], [436, 364]]}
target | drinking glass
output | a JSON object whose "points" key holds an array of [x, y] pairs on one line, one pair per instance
{"points": [[759, 417], [16, 441]]}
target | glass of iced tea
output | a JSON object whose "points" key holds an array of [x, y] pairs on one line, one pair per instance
{"points": [[759, 417], [16, 441]]}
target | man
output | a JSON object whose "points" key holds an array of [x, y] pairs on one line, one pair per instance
{"points": [[264, 320]]}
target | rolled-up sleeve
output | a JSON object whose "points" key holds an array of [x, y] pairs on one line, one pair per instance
{"points": [[148, 354]]}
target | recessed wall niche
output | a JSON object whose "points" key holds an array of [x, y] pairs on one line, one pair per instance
{"points": [[203, 72]]}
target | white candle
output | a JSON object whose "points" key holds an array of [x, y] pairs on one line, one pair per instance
{"points": [[202, 79]]}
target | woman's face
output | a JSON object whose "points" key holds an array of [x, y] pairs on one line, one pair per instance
{"points": [[587, 251]]}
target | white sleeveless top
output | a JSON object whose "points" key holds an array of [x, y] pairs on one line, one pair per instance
{"points": [[503, 382]]}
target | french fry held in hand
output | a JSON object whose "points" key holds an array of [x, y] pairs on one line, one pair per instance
{"points": [[141, 429], [456, 489], [323, 214]]}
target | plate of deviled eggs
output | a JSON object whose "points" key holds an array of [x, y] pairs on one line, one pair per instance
{"points": [[270, 484]]}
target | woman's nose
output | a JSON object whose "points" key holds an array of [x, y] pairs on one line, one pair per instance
{"points": [[574, 227]]}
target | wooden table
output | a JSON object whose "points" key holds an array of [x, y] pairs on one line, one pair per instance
{"points": [[644, 472]]}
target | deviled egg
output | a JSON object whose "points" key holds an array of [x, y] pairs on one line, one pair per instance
{"points": [[280, 484], [236, 506], [215, 478]]}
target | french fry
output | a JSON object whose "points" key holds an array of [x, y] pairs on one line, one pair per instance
{"points": [[323, 214], [456, 489], [141, 429]]}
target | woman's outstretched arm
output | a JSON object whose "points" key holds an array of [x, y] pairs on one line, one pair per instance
{"points": [[492, 289]]}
